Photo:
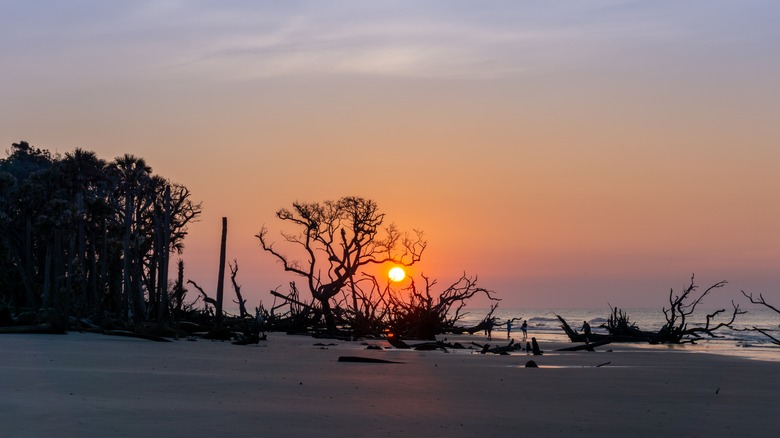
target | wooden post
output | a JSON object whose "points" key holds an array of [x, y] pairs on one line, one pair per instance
{"points": [[221, 277]]}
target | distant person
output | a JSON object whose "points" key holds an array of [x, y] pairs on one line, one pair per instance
{"points": [[528, 347], [586, 331], [524, 329], [508, 329], [489, 327]]}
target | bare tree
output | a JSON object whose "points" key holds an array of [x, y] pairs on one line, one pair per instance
{"points": [[682, 306], [760, 300], [418, 313], [336, 239], [206, 299], [237, 288]]}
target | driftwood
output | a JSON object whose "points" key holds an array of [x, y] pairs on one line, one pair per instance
{"points": [[682, 306], [206, 298], [32, 329], [587, 347], [505, 350], [361, 359], [535, 347], [575, 336], [130, 334], [251, 339], [676, 330], [396, 342], [760, 300]]}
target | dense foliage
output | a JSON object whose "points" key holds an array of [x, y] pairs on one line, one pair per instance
{"points": [[84, 237]]}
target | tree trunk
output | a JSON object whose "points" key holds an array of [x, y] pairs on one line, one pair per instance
{"points": [[80, 256], [28, 264], [126, 283], [162, 283], [221, 276], [180, 288], [327, 312], [46, 291]]}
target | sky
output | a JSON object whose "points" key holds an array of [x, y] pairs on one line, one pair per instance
{"points": [[568, 153]]}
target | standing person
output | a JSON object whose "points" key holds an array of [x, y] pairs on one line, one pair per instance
{"points": [[489, 327], [508, 329], [524, 329], [586, 331]]}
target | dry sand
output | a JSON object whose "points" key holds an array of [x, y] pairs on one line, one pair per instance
{"points": [[93, 385]]}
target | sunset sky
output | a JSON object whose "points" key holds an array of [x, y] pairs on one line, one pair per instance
{"points": [[569, 153]]}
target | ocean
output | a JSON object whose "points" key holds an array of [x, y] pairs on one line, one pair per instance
{"points": [[544, 325]]}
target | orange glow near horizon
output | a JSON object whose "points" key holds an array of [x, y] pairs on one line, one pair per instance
{"points": [[556, 178]]}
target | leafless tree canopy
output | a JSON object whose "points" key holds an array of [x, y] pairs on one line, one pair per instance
{"points": [[760, 300], [682, 306], [334, 240], [680, 326]]}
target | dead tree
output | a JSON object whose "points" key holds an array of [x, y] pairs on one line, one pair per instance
{"points": [[236, 287], [619, 324], [369, 310], [681, 307], [335, 240], [419, 314], [299, 317], [676, 330], [760, 300], [206, 299], [221, 277], [505, 350]]}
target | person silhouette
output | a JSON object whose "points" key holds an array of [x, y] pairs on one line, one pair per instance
{"points": [[524, 329], [586, 331]]}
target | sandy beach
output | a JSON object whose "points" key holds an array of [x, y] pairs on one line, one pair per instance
{"points": [[87, 385]]}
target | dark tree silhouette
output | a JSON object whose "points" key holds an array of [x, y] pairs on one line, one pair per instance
{"points": [[81, 236], [335, 240], [760, 300], [682, 306]]}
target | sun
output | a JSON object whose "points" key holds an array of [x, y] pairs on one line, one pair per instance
{"points": [[396, 274]]}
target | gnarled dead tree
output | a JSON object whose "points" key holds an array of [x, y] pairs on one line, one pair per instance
{"points": [[237, 288], [298, 316], [678, 327], [760, 300], [682, 306], [619, 324], [416, 313], [333, 241]]}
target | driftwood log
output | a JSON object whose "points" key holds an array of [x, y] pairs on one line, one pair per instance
{"points": [[587, 347], [35, 328], [505, 350]]}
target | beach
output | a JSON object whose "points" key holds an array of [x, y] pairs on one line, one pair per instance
{"points": [[84, 384]]}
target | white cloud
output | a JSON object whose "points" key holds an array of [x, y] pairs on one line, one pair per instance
{"points": [[228, 40]]}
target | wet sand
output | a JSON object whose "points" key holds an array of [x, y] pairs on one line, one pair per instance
{"points": [[93, 385]]}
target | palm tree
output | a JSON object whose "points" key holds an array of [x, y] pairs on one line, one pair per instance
{"points": [[133, 177]]}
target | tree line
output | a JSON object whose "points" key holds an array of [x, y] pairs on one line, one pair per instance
{"points": [[81, 236]]}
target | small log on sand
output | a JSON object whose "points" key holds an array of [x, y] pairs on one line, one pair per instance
{"points": [[360, 359], [36, 328], [135, 335], [586, 347]]}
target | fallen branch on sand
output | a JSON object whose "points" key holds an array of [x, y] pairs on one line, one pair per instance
{"points": [[130, 334], [587, 347], [37, 329], [360, 359], [486, 348]]}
